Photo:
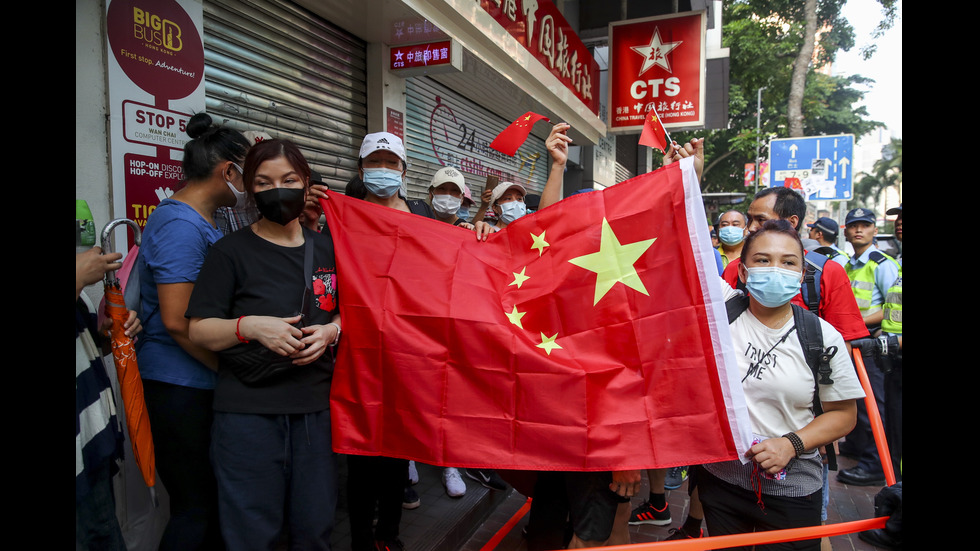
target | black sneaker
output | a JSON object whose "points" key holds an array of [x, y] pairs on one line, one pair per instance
{"points": [[487, 477], [411, 499], [680, 534], [675, 477], [648, 514]]}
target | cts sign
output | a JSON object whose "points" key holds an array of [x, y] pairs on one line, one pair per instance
{"points": [[657, 62]]}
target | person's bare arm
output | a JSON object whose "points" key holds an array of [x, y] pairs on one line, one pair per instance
{"points": [[837, 419], [173, 303], [557, 144], [276, 334], [484, 205]]}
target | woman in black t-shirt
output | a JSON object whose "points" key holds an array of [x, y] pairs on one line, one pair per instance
{"points": [[266, 301]]}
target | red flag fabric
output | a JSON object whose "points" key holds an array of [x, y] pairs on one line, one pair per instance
{"points": [[590, 335], [508, 141], [654, 133]]}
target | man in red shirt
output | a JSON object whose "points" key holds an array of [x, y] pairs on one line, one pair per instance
{"points": [[837, 305]]}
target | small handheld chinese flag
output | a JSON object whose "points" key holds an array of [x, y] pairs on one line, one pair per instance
{"points": [[508, 141], [654, 132]]}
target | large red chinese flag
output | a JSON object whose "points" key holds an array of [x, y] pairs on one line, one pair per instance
{"points": [[590, 335], [511, 139], [654, 133]]}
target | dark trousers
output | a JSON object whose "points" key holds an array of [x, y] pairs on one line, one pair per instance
{"points": [[375, 481], [275, 471], [180, 418], [893, 416], [96, 526], [729, 509]]}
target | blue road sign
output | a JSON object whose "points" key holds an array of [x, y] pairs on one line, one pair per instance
{"points": [[818, 166]]}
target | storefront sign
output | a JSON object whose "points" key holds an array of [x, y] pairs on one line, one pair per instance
{"points": [[156, 75], [543, 31], [657, 62], [427, 58], [420, 55], [396, 123]]}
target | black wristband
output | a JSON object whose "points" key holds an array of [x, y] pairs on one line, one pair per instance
{"points": [[796, 441]]}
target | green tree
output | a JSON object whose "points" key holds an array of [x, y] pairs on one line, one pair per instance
{"points": [[764, 37], [887, 172]]}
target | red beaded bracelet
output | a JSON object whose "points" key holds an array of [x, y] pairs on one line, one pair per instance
{"points": [[237, 334]]}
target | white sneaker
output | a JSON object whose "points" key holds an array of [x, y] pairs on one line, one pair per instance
{"points": [[453, 482], [413, 473]]}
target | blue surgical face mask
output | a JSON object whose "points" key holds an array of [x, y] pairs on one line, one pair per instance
{"points": [[464, 213], [512, 211], [383, 182], [772, 286], [731, 235]]}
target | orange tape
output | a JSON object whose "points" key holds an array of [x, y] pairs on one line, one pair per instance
{"points": [[506, 528], [755, 538], [874, 417]]}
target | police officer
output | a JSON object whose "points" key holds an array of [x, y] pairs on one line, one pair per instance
{"points": [[872, 274]]}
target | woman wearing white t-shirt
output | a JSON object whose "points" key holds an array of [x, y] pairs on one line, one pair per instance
{"points": [[780, 486]]}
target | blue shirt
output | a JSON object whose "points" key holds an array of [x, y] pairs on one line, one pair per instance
{"points": [[885, 275], [175, 241]]}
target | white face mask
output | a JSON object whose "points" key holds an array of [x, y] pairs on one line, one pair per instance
{"points": [[446, 204], [512, 211], [240, 196]]}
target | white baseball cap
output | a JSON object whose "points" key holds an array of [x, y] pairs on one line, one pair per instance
{"points": [[502, 188], [449, 174], [383, 141], [256, 136]]}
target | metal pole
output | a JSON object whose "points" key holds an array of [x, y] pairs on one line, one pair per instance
{"points": [[758, 138]]}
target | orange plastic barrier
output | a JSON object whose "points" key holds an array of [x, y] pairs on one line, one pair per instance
{"points": [[755, 538], [874, 417], [506, 528]]}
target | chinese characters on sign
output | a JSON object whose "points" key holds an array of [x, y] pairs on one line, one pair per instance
{"points": [[420, 55], [657, 62], [543, 32]]}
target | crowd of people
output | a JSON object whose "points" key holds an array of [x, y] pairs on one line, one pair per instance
{"points": [[236, 360]]}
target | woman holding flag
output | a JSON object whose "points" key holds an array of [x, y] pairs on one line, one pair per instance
{"points": [[781, 484]]}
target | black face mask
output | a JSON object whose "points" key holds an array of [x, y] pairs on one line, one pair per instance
{"points": [[281, 205]]}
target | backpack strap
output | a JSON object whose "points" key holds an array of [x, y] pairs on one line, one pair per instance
{"points": [[818, 358], [812, 273], [829, 252], [735, 306]]}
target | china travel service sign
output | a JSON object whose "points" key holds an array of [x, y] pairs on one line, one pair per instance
{"points": [[657, 63]]}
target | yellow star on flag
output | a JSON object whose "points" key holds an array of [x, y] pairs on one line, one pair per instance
{"points": [[548, 343], [539, 243], [527, 118], [614, 263], [515, 317], [519, 278]]}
